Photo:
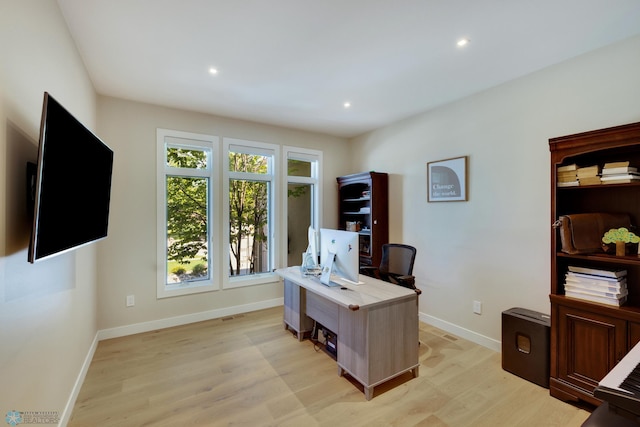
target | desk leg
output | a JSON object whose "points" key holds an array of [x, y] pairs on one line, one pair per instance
{"points": [[416, 371], [299, 334], [368, 393], [340, 371], [295, 316]]}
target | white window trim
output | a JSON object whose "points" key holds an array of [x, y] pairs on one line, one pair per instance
{"points": [[166, 137], [251, 147], [303, 154]]}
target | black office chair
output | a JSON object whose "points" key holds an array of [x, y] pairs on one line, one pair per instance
{"points": [[396, 266]]}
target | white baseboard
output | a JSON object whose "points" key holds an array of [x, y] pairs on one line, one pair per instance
{"points": [[152, 325], [68, 410], [482, 340]]}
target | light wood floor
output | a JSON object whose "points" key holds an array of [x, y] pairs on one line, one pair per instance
{"points": [[247, 370]]}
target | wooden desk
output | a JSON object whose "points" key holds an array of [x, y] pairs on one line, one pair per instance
{"points": [[376, 324]]}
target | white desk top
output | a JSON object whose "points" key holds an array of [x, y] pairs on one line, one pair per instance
{"points": [[368, 294]]}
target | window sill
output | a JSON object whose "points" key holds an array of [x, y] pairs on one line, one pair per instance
{"points": [[186, 288], [251, 280]]}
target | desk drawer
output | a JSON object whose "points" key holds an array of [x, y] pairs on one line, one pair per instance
{"points": [[323, 311]]}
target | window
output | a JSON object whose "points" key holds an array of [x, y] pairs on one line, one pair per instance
{"points": [[250, 185], [303, 199], [218, 215], [186, 258]]}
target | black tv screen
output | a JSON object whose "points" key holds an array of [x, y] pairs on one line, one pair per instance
{"points": [[72, 184]]}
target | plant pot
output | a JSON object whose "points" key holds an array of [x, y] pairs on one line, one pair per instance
{"points": [[630, 249]]}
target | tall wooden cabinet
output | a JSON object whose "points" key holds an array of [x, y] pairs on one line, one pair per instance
{"points": [[364, 207], [587, 338]]}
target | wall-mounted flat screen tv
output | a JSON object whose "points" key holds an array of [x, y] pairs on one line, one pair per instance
{"points": [[72, 184]]}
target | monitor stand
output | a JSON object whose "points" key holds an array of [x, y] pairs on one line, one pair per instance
{"points": [[351, 282], [325, 277]]}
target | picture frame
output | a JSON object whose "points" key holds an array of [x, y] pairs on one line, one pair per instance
{"points": [[447, 180]]}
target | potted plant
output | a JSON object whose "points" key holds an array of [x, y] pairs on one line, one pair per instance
{"points": [[620, 237]]}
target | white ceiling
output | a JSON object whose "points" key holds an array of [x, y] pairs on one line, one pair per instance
{"points": [[295, 62]]}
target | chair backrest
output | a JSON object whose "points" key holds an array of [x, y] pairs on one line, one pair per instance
{"points": [[397, 259]]}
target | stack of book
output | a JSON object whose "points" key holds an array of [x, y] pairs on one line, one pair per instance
{"points": [[568, 176], [589, 175], [619, 173], [602, 286]]}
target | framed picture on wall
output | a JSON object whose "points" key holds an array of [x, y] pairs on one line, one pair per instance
{"points": [[447, 180]]}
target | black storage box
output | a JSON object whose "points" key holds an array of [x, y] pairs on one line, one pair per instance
{"points": [[525, 344]]}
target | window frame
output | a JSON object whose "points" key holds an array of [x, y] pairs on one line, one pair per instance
{"points": [[315, 158], [259, 148], [211, 144]]}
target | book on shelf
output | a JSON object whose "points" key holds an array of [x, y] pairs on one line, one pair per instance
{"points": [[599, 285], [619, 170], [590, 279], [564, 174], [597, 298], [597, 293], [565, 168], [585, 171], [613, 288], [628, 175], [575, 183], [597, 272], [590, 180], [617, 164], [565, 177], [595, 285], [620, 179]]}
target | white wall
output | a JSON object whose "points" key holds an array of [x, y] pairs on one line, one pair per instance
{"points": [[48, 309], [494, 248], [128, 256]]}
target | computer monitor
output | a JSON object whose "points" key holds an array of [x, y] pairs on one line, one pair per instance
{"points": [[339, 251]]}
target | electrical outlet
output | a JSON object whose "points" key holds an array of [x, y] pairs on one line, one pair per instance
{"points": [[131, 300], [477, 307]]}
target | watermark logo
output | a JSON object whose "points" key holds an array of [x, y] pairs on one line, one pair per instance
{"points": [[14, 418]]}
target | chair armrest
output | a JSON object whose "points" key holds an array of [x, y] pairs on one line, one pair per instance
{"points": [[369, 270], [408, 282]]}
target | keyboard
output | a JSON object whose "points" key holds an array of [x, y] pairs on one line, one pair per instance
{"points": [[621, 386]]}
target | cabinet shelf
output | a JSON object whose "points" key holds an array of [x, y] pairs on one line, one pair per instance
{"points": [[626, 312], [360, 199], [604, 258], [600, 186], [589, 338], [363, 198]]}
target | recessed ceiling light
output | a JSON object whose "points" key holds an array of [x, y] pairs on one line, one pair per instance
{"points": [[462, 42], [213, 70], [347, 104]]}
